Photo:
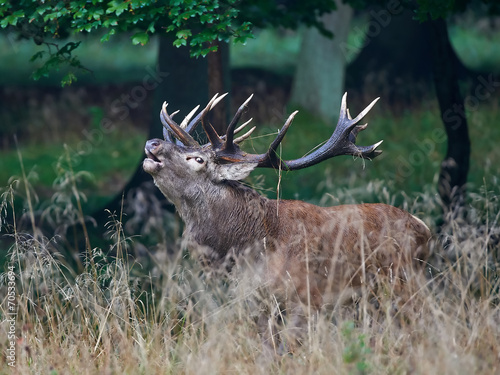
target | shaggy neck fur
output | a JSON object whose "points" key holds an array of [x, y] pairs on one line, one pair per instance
{"points": [[230, 208]]}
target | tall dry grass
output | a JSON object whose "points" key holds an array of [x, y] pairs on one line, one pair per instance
{"points": [[137, 308]]}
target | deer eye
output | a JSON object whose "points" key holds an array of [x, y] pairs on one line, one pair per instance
{"points": [[197, 159]]}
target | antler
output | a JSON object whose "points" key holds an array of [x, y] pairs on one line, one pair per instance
{"points": [[342, 141], [169, 125], [183, 131]]}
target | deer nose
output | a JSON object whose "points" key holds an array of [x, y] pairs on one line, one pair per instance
{"points": [[152, 144]]}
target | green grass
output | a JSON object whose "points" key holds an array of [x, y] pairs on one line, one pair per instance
{"points": [[110, 163]]}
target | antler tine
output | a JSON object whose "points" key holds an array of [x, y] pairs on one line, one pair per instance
{"points": [[174, 113], [230, 129], [355, 131], [271, 158], [282, 132], [346, 126], [344, 112], [244, 136], [212, 135], [216, 101], [345, 116], [179, 142], [171, 125], [242, 126], [266, 160], [370, 152], [185, 122], [192, 124], [364, 111], [166, 134], [238, 129]]}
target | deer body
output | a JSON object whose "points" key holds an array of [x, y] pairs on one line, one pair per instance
{"points": [[303, 252]]}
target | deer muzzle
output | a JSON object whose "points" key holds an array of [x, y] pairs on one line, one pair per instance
{"points": [[152, 163]]}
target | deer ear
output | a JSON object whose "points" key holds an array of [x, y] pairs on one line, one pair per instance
{"points": [[236, 171]]}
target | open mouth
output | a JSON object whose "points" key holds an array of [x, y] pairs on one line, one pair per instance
{"points": [[151, 156]]}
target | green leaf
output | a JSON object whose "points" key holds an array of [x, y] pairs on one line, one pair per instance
{"points": [[183, 34], [68, 48], [180, 42], [5, 22], [37, 55], [151, 28], [68, 79], [207, 18], [80, 13], [97, 14], [41, 10], [106, 36], [12, 19], [117, 7], [121, 8], [110, 22], [140, 38]]}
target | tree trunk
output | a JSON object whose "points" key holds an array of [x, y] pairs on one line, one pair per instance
{"points": [[455, 166], [394, 57], [186, 85], [400, 56], [319, 78], [219, 82]]}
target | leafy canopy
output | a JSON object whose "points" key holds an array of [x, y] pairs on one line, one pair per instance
{"points": [[40, 21], [214, 18]]}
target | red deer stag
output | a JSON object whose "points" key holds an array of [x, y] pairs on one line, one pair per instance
{"points": [[310, 252]]}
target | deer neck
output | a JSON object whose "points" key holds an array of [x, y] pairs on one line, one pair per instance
{"points": [[226, 216]]}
